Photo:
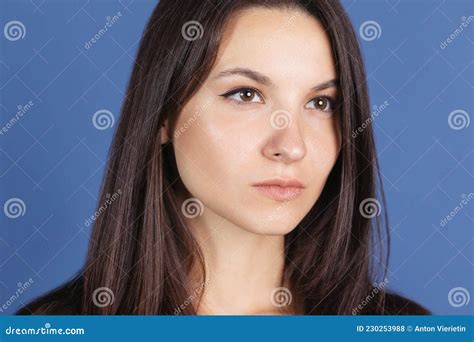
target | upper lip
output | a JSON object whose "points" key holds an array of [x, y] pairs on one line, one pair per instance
{"points": [[281, 182]]}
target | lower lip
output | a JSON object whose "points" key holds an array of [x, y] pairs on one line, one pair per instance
{"points": [[280, 193]]}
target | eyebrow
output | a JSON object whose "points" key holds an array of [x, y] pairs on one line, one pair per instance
{"points": [[265, 80]]}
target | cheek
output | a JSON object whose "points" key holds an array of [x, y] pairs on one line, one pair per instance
{"points": [[326, 146], [322, 154], [212, 153]]}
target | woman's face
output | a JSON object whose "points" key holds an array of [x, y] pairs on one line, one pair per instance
{"points": [[258, 118]]}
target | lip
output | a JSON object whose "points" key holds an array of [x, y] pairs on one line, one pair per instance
{"points": [[280, 189]]}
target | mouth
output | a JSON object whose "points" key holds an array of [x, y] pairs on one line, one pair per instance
{"points": [[280, 189]]}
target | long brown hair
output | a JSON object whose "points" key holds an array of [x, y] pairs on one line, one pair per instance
{"points": [[141, 248]]}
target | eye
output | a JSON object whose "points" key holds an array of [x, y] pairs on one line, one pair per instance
{"points": [[323, 103], [243, 95]]}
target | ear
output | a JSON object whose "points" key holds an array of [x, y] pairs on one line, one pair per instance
{"points": [[164, 133]]}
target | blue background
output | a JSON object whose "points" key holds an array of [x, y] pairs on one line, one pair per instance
{"points": [[53, 157]]}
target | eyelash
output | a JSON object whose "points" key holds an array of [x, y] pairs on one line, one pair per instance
{"points": [[238, 90], [332, 101]]}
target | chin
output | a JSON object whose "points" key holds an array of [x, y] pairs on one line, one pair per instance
{"points": [[273, 227]]}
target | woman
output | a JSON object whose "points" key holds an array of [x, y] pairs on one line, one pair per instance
{"points": [[243, 190]]}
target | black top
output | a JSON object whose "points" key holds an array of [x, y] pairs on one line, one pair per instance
{"points": [[66, 300]]}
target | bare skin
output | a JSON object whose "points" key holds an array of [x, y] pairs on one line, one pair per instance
{"points": [[232, 143]]}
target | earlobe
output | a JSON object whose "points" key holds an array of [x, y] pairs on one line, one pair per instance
{"points": [[164, 138]]}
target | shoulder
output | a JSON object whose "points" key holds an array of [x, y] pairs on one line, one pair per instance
{"points": [[63, 300], [396, 304]]}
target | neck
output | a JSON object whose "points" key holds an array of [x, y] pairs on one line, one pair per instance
{"points": [[243, 269]]}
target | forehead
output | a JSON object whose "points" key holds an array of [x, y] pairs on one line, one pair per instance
{"points": [[276, 40]]}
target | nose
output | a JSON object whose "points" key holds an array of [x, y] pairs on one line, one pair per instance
{"points": [[286, 143]]}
